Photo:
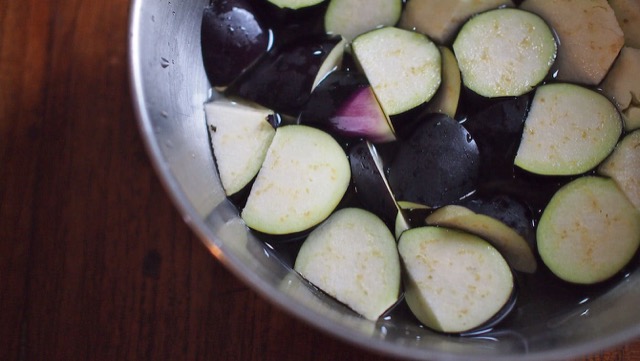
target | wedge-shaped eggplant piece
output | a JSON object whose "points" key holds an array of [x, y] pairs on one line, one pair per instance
{"points": [[623, 166], [447, 97], [589, 231], [622, 84], [351, 18], [402, 66], [232, 39], [455, 282], [589, 35], [353, 257], [504, 52], [302, 179], [505, 239], [438, 165], [344, 103], [284, 79], [569, 130], [240, 136]]}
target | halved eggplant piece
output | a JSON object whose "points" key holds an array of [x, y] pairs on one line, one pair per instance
{"points": [[623, 166], [343, 102], [402, 66], [589, 35], [351, 18], [240, 136], [372, 187], [569, 130], [511, 244], [622, 84], [497, 130], [232, 38], [284, 79], [454, 281], [441, 20], [446, 99], [438, 165], [352, 256], [504, 52], [295, 4], [589, 231], [303, 178]]}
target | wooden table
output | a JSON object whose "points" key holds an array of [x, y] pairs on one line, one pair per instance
{"points": [[95, 263]]}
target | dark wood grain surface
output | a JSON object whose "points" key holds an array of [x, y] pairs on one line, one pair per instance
{"points": [[95, 263]]}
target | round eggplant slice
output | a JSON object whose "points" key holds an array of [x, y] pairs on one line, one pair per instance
{"points": [[569, 130], [232, 39], [304, 176], [402, 66], [351, 18], [240, 136], [455, 281], [504, 52], [505, 239], [623, 166], [589, 231], [353, 257], [438, 165]]}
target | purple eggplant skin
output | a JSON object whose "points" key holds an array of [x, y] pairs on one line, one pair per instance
{"points": [[497, 130], [438, 165], [532, 189], [344, 103], [370, 187], [282, 80], [232, 39], [288, 24], [330, 95], [507, 209]]}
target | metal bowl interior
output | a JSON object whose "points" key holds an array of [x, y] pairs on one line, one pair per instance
{"points": [[169, 88]]}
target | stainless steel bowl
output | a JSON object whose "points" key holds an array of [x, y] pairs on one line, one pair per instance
{"points": [[169, 89]]}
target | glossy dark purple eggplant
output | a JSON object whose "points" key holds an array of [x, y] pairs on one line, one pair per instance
{"points": [[232, 39], [370, 183], [288, 24], [497, 130], [283, 79], [438, 165]]}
